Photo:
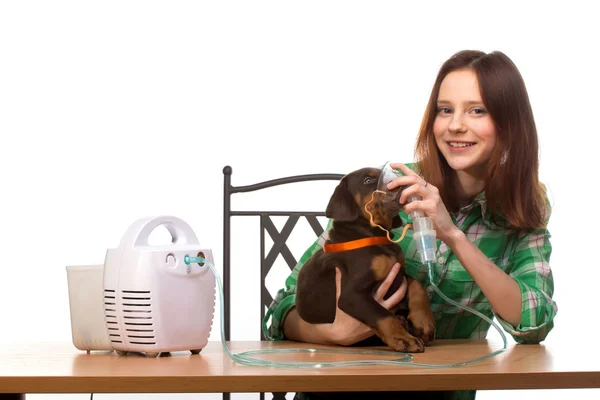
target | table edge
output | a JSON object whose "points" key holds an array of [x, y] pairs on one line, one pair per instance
{"points": [[283, 383]]}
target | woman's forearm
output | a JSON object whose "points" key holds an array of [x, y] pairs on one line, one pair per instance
{"points": [[344, 331], [501, 290], [295, 328]]}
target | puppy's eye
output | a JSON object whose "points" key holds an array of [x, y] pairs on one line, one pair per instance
{"points": [[368, 180]]}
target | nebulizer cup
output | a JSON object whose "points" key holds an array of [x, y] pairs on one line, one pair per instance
{"points": [[424, 234]]}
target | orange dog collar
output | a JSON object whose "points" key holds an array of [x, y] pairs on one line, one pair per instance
{"points": [[355, 244]]}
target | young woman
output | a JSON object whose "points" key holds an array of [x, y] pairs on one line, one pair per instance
{"points": [[476, 170]]}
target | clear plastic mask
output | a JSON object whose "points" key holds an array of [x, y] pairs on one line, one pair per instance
{"points": [[387, 175]]}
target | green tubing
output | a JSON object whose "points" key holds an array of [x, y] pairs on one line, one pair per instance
{"points": [[400, 359]]}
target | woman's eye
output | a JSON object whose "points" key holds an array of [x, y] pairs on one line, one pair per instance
{"points": [[478, 110], [444, 110], [368, 180]]}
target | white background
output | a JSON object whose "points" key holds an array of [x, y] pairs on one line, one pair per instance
{"points": [[114, 110]]}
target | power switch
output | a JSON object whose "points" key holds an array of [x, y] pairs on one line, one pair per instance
{"points": [[171, 261]]}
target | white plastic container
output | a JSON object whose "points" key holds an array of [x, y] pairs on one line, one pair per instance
{"points": [[152, 301], [86, 303]]}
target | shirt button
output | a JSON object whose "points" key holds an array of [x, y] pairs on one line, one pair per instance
{"points": [[430, 289], [441, 260]]}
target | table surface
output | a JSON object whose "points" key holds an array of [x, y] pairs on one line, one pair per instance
{"points": [[61, 368]]}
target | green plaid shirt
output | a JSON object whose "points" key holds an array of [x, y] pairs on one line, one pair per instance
{"points": [[525, 257]]}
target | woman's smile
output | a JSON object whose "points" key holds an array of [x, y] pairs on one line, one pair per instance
{"points": [[460, 146]]}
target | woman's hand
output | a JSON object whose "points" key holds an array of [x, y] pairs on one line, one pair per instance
{"points": [[431, 204], [346, 330]]}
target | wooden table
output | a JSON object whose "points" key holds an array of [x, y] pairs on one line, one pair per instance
{"points": [[60, 368]]}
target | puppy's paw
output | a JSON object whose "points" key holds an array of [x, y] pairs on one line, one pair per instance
{"points": [[423, 326], [395, 336], [406, 343]]}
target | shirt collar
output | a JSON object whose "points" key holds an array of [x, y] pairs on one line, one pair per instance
{"points": [[478, 202]]}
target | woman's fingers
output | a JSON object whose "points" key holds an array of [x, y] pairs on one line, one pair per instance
{"points": [[406, 180], [405, 170], [414, 189], [398, 295], [387, 283], [410, 178], [388, 303], [429, 192]]}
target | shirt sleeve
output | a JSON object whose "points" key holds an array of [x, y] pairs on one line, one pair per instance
{"points": [[285, 299], [530, 267]]}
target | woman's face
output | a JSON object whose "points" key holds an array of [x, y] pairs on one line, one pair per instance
{"points": [[463, 130]]}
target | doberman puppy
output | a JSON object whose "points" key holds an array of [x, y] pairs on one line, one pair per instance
{"points": [[364, 268]]}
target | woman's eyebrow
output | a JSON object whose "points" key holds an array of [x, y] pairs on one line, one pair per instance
{"points": [[468, 102]]}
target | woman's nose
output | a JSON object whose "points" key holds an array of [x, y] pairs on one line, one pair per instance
{"points": [[457, 124]]}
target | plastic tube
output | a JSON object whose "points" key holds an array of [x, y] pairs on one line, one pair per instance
{"points": [[399, 358]]}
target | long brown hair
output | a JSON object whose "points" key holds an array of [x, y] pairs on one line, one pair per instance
{"points": [[511, 187]]}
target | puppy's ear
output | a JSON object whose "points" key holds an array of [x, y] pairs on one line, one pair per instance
{"points": [[342, 206]]}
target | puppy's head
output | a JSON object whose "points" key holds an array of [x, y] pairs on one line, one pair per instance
{"points": [[354, 196]]}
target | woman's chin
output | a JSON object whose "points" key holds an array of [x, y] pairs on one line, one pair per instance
{"points": [[460, 162], [468, 166]]}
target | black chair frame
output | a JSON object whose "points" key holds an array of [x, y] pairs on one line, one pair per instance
{"points": [[266, 227]]}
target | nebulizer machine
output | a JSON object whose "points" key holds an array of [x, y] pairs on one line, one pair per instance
{"points": [[142, 298], [155, 299]]}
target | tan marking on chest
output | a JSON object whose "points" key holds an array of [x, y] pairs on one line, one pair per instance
{"points": [[381, 265]]}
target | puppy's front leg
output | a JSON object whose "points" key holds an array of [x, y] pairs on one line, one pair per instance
{"points": [[419, 311], [366, 309]]}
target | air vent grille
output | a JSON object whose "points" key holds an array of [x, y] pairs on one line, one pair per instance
{"points": [[110, 313], [137, 316]]}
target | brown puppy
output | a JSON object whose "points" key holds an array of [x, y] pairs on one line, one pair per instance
{"points": [[364, 268]]}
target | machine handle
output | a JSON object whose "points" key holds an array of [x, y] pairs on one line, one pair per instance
{"points": [[139, 232]]}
